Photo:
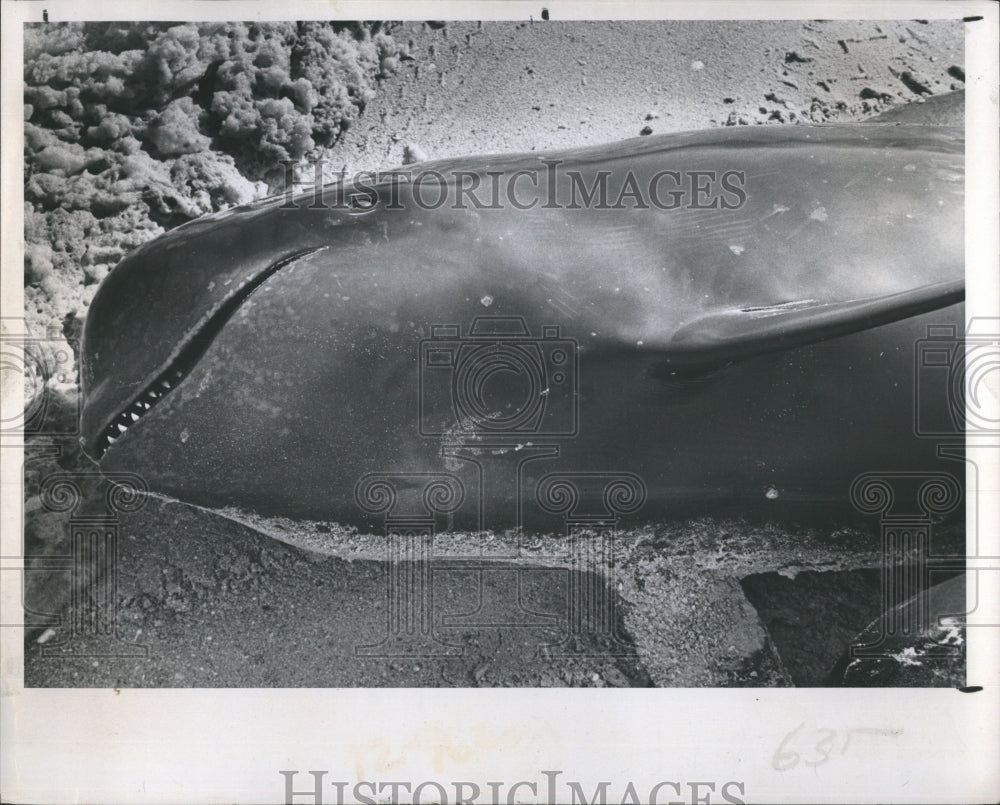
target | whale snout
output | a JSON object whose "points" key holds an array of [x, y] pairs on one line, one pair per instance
{"points": [[156, 312]]}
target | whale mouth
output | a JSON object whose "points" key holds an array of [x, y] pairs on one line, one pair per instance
{"points": [[186, 357]]}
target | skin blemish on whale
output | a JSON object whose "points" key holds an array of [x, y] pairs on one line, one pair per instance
{"points": [[274, 331]]}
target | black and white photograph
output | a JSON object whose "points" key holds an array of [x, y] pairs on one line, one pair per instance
{"points": [[409, 366]]}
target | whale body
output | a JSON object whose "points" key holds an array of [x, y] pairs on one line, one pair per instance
{"points": [[748, 341]]}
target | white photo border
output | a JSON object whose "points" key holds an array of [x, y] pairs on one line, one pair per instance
{"points": [[228, 745]]}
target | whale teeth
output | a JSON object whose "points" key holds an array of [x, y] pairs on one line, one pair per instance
{"points": [[132, 413]]}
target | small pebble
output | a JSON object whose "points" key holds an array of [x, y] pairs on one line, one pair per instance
{"points": [[697, 65], [652, 115], [646, 130]]}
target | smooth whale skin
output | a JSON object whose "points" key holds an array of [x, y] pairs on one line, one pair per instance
{"points": [[756, 355]]}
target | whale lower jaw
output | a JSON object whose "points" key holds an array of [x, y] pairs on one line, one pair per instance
{"points": [[186, 357]]}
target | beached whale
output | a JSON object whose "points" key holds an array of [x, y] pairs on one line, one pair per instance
{"points": [[729, 316]]}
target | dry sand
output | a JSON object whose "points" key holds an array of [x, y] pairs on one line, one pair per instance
{"points": [[492, 87]]}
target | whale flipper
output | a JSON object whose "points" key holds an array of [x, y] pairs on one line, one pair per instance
{"points": [[735, 334]]}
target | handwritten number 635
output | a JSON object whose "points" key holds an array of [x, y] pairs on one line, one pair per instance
{"points": [[818, 748]]}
